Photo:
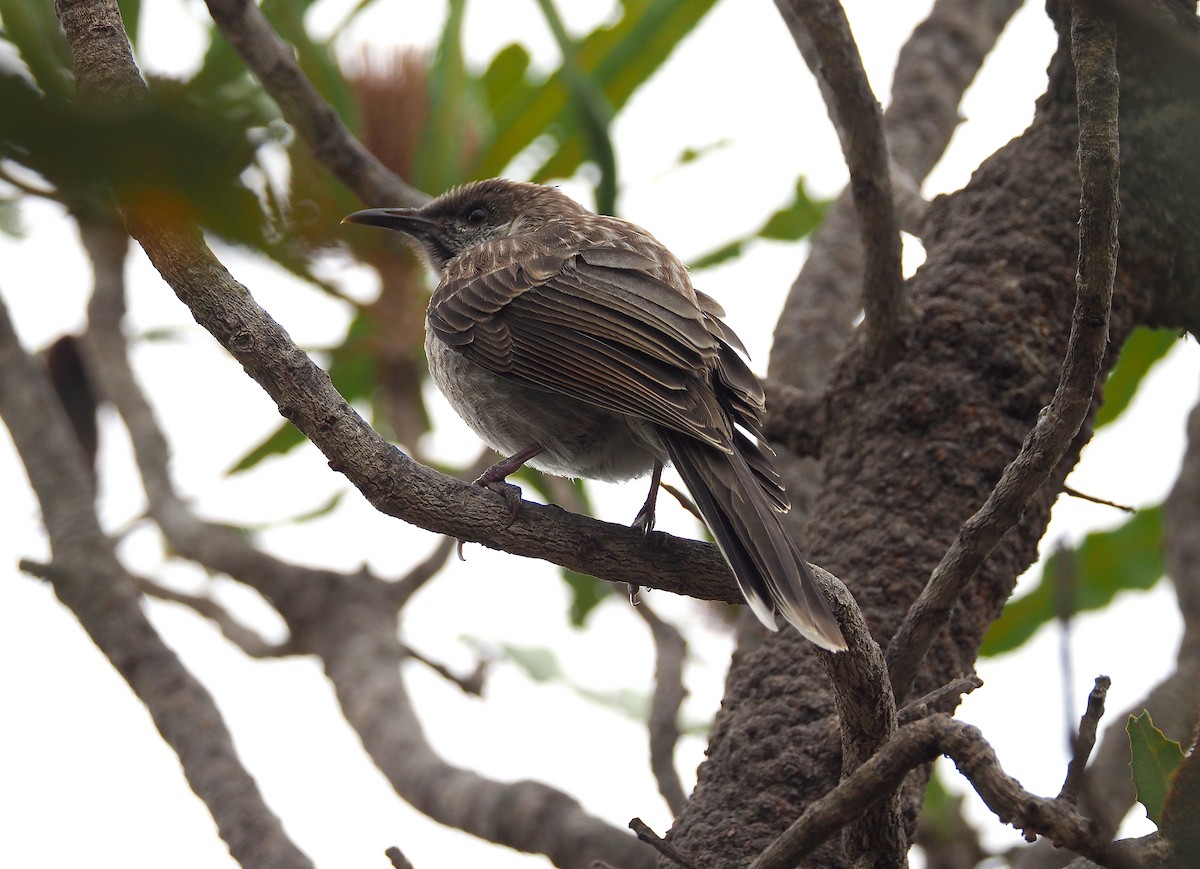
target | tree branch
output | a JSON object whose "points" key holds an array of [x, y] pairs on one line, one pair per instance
{"points": [[87, 577], [273, 63], [356, 634], [915, 745], [887, 311], [933, 71], [1093, 48], [670, 651], [1084, 741]]}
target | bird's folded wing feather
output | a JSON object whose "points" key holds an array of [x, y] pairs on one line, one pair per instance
{"points": [[597, 326]]}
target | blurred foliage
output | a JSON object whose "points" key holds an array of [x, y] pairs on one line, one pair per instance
{"points": [[541, 664], [1154, 760], [1139, 353], [1128, 557], [792, 222]]}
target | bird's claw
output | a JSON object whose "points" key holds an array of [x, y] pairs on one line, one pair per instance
{"points": [[509, 492], [644, 522]]}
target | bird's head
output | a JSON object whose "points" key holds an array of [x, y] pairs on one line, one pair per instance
{"points": [[472, 214]]}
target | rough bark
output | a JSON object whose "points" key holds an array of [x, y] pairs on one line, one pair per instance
{"points": [[919, 446]]}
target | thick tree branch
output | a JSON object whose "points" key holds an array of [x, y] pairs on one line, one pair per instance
{"points": [[87, 577], [1094, 51], [887, 312], [273, 63]]}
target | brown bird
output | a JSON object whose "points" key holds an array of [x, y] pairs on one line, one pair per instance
{"points": [[575, 343]]}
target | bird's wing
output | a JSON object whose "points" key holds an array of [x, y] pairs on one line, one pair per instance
{"points": [[595, 325]]}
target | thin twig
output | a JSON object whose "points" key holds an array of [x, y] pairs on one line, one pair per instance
{"points": [[1084, 741], [472, 684], [1099, 165], [241, 636], [947, 695], [670, 651], [399, 861], [1075, 493], [887, 311], [404, 588], [659, 844], [274, 64]]}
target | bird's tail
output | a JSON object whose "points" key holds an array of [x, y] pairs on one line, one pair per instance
{"points": [[741, 506]]}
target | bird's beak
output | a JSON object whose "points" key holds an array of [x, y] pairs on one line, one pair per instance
{"points": [[407, 220]]}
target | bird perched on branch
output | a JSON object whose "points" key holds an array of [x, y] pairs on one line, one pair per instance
{"points": [[575, 343]]}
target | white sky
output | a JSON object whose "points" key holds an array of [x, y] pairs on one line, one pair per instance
{"points": [[85, 776]]}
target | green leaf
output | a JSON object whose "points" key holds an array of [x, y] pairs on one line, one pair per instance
{"points": [[504, 82], [618, 58], [594, 112], [691, 155], [10, 218], [586, 594], [1154, 760], [796, 219], [726, 252], [1124, 558], [34, 31], [1141, 350], [284, 439], [538, 662], [792, 222], [316, 59], [131, 13], [321, 510], [438, 162]]}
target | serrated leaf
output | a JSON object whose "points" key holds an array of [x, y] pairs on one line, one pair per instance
{"points": [[586, 594], [1141, 350], [1154, 760], [1128, 557]]}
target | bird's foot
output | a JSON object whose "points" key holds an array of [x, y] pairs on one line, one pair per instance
{"points": [[635, 591], [509, 492], [644, 521], [495, 479]]}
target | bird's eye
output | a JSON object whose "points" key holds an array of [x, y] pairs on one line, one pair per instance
{"points": [[477, 216]]}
